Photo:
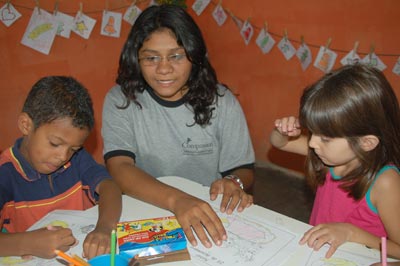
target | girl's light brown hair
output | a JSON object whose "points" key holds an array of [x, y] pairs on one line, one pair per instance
{"points": [[352, 102]]}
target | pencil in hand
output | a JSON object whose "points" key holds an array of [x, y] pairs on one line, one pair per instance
{"points": [[68, 258]]}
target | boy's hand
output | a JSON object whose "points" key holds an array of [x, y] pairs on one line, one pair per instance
{"points": [[334, 234], [233, 195], [44, 241], [288, 126], [97, 242]]}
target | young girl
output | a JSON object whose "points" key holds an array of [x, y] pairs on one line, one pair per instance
{"points": [[351, 123]]}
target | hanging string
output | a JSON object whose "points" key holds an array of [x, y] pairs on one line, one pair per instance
{"points": [[215, 3]]}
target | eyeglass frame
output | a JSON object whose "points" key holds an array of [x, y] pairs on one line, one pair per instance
{"points": [[173, 59]]}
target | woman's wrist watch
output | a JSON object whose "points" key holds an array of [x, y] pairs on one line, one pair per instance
{"points": [[235, 179]]}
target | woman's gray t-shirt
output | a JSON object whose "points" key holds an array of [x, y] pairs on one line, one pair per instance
{"points": [[163, 141]]}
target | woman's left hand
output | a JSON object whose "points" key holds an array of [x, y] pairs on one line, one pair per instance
{"points": [[334, 234], [232, 195]]}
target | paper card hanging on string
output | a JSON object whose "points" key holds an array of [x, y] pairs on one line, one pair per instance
{"points": [[396, 67], [219, 15], [111, 24], [131, 14], [199, 6], [304, 55], [83, 25], [65, 23], [9, 14], [351, 58], [373, 60], [265, 41], [247, 32], [325, 59], [41, 31], [287, 48]]}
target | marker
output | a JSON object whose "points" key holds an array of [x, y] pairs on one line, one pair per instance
{"points": [[113, 240], [383, 251]]}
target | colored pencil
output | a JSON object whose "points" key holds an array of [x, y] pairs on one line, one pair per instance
{"points": [[113, 243], [84, 263], [383, 251], [68, 258]]}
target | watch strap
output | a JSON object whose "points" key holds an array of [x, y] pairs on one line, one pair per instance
{"points": [[235, 179]]}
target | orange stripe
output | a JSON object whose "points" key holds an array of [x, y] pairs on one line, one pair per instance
{"points": [[51, 202], [19, 165]]}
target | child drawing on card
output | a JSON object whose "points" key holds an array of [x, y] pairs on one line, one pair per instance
{"points": [[48, 169], [349, 128]]}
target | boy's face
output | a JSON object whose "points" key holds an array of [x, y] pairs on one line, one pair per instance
{"points": [[51, 145]]}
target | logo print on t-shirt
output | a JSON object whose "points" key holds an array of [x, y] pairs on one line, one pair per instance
{"points": [[191, 148]]}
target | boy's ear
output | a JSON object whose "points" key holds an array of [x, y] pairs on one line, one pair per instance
{"points": [[369, 142], [25, 123]]}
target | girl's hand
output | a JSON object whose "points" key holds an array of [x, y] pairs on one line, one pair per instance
{"points": [[288, 126], [334, 234], [233, 196]]}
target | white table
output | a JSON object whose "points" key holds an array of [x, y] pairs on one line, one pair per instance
{"points": [[134, 209]]}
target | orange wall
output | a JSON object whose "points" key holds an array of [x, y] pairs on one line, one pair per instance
{"points": [[268, 85]]}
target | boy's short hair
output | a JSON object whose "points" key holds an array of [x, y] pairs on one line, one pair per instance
{"points": [[56, 97]]}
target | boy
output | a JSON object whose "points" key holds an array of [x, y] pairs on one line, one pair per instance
{"points": [[48, 169]]}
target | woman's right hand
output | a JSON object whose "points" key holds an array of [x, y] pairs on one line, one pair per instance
{"points": [[197, 217], [288, 126]]}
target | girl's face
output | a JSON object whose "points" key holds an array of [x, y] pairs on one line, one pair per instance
{"points": [[334, 152], [52, 145], [164, 65]]}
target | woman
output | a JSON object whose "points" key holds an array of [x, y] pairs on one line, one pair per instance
{"points": [[169, 116]]}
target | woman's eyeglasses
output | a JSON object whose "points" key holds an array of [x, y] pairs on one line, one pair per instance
{"points": [[154, 60]]}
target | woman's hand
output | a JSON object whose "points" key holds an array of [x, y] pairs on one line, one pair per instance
{"points": [[334, 234], [197, 216], [232, 195]]}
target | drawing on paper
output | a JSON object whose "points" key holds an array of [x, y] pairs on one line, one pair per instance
{"points": [[250, 242], [340, 258]]}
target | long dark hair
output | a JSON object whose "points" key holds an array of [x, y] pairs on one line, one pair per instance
{"points": [[352, 102], [202, 81]]}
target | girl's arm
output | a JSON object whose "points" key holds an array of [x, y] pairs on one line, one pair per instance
{"points": [[385, 196], [287, 136]]}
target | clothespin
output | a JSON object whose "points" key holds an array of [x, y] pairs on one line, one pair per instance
{"points": [[301, 40], [371, 50], [56, 7], [106, 9], [265, 26], [247, 20], [285, 34], [80, 8], [328, 43], [220, 2], [8, 4], [355, 48], [38, 6]]}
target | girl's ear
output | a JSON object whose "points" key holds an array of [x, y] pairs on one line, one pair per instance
{"points": [[369, 142], [25, 123]]}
